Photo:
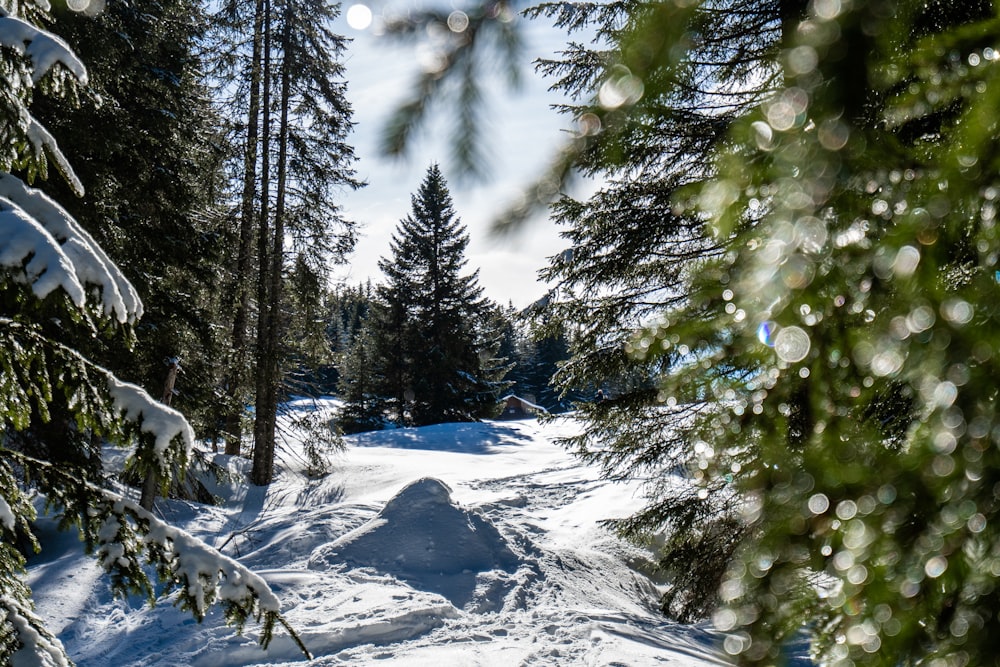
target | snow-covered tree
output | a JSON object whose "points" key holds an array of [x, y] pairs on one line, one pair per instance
{"points": [[144, 140], [54, 279]]}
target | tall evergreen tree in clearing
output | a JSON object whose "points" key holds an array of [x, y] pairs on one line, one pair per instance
{"points": [[433, 318]]}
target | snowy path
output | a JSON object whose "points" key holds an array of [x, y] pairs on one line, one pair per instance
{"points": [[502, 563]]}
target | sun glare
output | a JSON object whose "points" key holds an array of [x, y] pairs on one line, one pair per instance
{"points": [[359, 17]]}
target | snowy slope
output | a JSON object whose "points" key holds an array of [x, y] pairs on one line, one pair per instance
{"points": [[457, 544]]}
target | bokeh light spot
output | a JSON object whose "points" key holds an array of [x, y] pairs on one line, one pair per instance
{"points": [[792, 344], [359, 16], [458, 21], [936, 566]]}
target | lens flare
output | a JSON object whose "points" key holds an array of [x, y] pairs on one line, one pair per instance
{"points": [[359, 16], [766, 331]]}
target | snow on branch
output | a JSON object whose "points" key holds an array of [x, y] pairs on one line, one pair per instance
{"points": [[207, 573], [44, 144], [200, 575], [197, 575], [7, 518], [161, 421], [28, 246], [43, 48], [34, 227], [43, 51], [38, 647]]}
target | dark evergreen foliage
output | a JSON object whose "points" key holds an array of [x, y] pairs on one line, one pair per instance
{"points": [[429, 329], [809, 392], [364, 407], [536, 350], [57, 406], [632, 249], [143, 139]]}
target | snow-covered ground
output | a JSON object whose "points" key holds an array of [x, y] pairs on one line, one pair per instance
{"points": [[449, 545]]}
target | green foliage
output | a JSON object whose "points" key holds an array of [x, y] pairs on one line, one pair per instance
{"points": [[427, 352], [470, 45], [143, 138], [825, 378], [364, 407], [535, 349], [57, 406], [650, 120]]}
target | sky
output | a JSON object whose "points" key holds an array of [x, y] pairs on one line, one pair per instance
{"points": [[524, 134]]}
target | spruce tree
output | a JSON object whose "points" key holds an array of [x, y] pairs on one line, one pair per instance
{"points": [[429, 325], [56, 282], [232, 64], [649, 128], [391, 332], [833, 360], [364, 408]]}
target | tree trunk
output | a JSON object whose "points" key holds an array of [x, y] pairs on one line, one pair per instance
{"points": [[244, 264], [263, 429], [148, 495], [263, 459]]}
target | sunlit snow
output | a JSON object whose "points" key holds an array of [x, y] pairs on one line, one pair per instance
{"points": [[456, 544]]}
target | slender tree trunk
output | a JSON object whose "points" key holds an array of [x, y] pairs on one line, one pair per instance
{"points": [[264, 456], [263, 431], [244, 265]]}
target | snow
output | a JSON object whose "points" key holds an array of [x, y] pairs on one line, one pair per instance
{"points": [[37, 650], [7, 519], [62, 253], [27, 246], [41, 244], [44, 48], [455, 544], [161, 421]]}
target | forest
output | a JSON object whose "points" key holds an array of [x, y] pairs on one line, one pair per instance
{"points": [[781, 289]]}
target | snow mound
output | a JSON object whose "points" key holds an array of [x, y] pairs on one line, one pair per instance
{"points": [[423, 538]]}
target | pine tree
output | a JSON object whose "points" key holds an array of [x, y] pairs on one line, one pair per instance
{"points": [[391, 332], [547, 355], [649, 127], [835, 360], [313, 161], [144, 138], [364, 408], [434, 349], [56, 279], [231, 64], [447, 371]]}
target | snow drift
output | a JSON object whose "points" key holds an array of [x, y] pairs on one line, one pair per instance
{"points": [[424, 539]]}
